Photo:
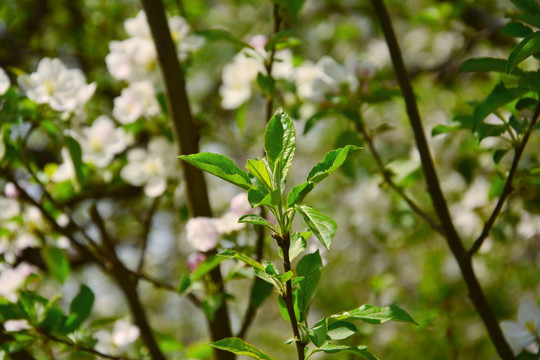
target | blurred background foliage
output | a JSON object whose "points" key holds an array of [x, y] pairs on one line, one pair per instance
{"points": [[383, 254]]}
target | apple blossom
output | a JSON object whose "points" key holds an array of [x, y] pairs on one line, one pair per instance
{"points": [[4, 82], [194, 260], [16, 325], [54, 84], [151, 167], [66, 170], [101, 141], [202, 233], [12, 279], [138, 99], [526, 330]]}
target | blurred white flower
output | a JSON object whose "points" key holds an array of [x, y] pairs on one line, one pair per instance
{"points": [[4, 82], [133, 59], [202, 233], [239, 75], [526, 330], [306, 75], [122, 335], [138, 26], [54, 84], [240, 206], [16, 325], [11, 191], [12, 279], [66, 170], [151, 168], [138, 99], [101, 141]]}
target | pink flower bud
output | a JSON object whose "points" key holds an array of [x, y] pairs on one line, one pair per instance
{"points": [[194, 260]]}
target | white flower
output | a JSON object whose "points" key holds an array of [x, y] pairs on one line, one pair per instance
{"points": [[237, 78], [133, 59], [16, 325], [151, 168], [101, 141], [123, 334], [202, 233], [240, 206], [138, 99], [12, 279], [54, 84], [138, 26], [66, 170], [526, 330], [4, 82]]}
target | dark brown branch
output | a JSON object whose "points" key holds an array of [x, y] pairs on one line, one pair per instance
{"points": [[388, 179], [453, 240], [128, 284], [507, 190], [187, 137]]}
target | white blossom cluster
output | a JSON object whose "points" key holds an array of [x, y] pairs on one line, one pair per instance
{"points": [[313, 80]]}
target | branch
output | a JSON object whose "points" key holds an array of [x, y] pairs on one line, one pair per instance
{"points": [[146, 232], [128, 284], [79, 347], [187, 137], [369, 140], [508, 188], [453, 240]]}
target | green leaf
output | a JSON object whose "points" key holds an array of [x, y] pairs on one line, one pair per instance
{"points": [[57, 263], [219, 35], [266, 83], [80, 308], [233, 254], [519, 125], [528, 6], [257, 220], [205, 267], [260, 291], [322, 226], [293, 6], [444, 129], [516, 29], [309, 267], [341, 330], [258, 167], [299, 192], [376, 315], [279, 144], [240, 347], [319, 332], [220, 166], [315, 118], [498, 97], [331, 162], [76, 157], [278, 38], [298, 244], [211, 304], [525, 103], [487, 130], [499, 154], [484, 64], [361, 350], [529, 46], [54, 320]]}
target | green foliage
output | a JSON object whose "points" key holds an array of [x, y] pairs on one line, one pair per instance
{"points": [[240, 347], [57, 263]]}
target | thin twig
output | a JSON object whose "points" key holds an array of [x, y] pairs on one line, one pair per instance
{"points": [[146, 232], [476, 294], [508, 188], [79, 347], [388, 178]]}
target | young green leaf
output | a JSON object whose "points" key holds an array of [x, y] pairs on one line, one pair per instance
{"points": [[319, 332], [220, 166], [341, 330], [376, 315], [516, 29], [205, 267], [220, 34], [487, 64], [261, 290], [498, 97], [322, 226], [361, 350], [76, 157], [529, 46], [298, 244], [257, 220], [331, 162], [57, 263], [280, 145], [299, 192], [233, 254], [240, 347], [309, 267], [258, 168], [80, 308]]}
